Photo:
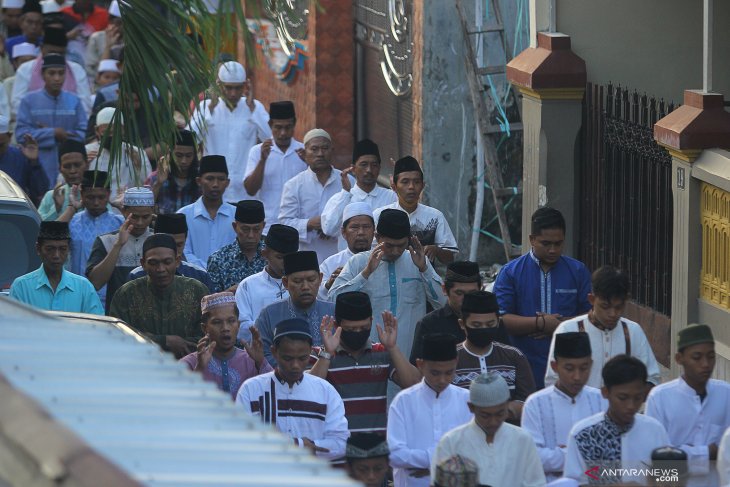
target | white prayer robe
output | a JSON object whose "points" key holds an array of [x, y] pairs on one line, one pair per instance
{"points": [[511, 460], [723, 460], [280, 167], [549, 414], [606, 345], [253, 294], [398, 287], [692, 424], [645, 435], [304, 197], [329, 266], [231, 133], [417, 420], [332, 214], [311, 409], [429, 225]]}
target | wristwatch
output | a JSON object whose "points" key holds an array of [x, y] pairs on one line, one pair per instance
{"points": [[324, 354]]}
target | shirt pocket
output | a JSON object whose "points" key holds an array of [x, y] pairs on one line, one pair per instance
{"points": [[565, 301]]}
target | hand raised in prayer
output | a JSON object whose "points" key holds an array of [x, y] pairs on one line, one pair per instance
{"points": [[266, 149], [301, 153], [205, 351], [178, 346], [118, 200], [74, 198], [330, 340], [417, 254], [91, 155], [29, 148], [310, 444], [332, 278], [163, 170], [388, 333], [345, 179], [213, 100], [113, 35], [373, 261], [124, 231], [59, 195], [314, 223], [250, 101], [418, 472], [255, 349]]}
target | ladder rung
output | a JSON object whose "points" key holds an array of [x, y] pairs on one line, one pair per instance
{"points": [[503, 192], [490, 70], [496, 129], [495, 28]]}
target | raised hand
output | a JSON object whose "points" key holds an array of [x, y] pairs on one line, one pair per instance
{"points": [[213, 101], [163, 169], [345, 179], [388, 333], [74, 198], [205, 352], [417, 253], [124, 231], [59, 196], [29, 148], [332, 278], [373, 261], [266, 149], [250, 101], [255, 349], [330, 340]]}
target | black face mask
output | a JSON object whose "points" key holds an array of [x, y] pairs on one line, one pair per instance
{"points": [[354, 340], [482, 337]]}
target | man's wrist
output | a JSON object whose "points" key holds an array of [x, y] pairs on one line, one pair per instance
{"points": [[324, 354]]}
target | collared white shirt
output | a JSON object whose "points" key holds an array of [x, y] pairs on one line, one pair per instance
{"points": [[231, 133], [124, 173], [549, 414], [254, 294], [606, 344], [417, 420], [304, 197], [332, 213], [692, 424], [398, 287], [329, 266], [511, 460], [429, 225], [206, 235], [280, 167], [723, 460]]}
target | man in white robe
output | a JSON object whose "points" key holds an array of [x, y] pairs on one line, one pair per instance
{"points": [[549, 414], [420, 415], [694, 409], [231, 128], [256, 292], [505, 454]]}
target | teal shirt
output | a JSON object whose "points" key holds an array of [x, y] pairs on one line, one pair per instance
{"points": [[47, 208], [73, 294]]}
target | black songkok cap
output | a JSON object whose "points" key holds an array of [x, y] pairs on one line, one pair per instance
{"points": [[462, 271], [366, 445], [439, 347], [304, 260], [249, 211], [172, 223], [394, 223], [95, 179], [213, 164], [480, 302], [572, 344], [69, 146], [281, 110], [282, 238], [365, 147], [159, 240], [55, 37], [293, 327], [185, 137], [53, 230], [32, 6], [53, 61], [405, 164], [353, 306]]}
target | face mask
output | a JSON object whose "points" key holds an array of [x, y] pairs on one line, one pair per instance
{"points": [[482, 337], [354, 340]]}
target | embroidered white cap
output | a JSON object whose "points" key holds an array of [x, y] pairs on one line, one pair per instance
{"points": [[108, 65], [359, 208], [105, 115], [13, 3], [139, 196], [488, 389], [316, 133], [232, 72], [25, 49]]}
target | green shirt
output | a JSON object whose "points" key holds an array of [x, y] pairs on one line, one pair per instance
{"points": [[174, 311]]}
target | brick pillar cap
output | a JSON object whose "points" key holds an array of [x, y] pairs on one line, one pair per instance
{"points": [[700, 123], [550, 65]]}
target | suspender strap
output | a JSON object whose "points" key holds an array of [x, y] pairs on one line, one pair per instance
{"points": [[627, 337], [581, 326]]}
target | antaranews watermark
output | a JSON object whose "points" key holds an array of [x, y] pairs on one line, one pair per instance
{"points": [[599, 474]]}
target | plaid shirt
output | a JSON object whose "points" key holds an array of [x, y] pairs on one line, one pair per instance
{"points": [[171, 198], [228, 266]]}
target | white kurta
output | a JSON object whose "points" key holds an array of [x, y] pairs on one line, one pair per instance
{"points": [[125, 174], [231, 133], [280, 167], [549, 414], [329, 266], [429, 225], [332, 214], [252, 295], [692, 424], [303, 198], [510, 461], [645, 435], [311, 409], [606, 345], [723, 460], [417, 420], [22, 79]]}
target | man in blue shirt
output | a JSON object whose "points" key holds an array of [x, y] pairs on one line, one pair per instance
{"points": [[50, 287], [31, 26], [21, 163], [539, 290]]}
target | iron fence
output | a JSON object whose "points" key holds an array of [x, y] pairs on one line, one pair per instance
{"points": [[625, 192]]}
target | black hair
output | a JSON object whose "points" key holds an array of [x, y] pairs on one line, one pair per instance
{"points": [[610, 283], [546, 218], [300, 337], [449, 284], [206, 316], [623, 369], [467, 314], [395, 176]]}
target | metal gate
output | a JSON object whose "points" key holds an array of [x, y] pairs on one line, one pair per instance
{"points": [[625, 192]]}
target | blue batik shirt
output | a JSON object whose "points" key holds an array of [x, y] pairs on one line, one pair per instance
{"points": [[229, 266]]}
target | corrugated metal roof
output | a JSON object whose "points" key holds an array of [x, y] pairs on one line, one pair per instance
{"points": [[145, 412]]}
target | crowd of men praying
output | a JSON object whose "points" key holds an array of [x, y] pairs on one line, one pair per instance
{"points": [[332, 308]]}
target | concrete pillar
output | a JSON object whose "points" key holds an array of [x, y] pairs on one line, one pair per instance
{"points": [[700, 123], [552, 81]]}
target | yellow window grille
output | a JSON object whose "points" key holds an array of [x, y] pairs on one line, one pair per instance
{"points": [[715, 276]]}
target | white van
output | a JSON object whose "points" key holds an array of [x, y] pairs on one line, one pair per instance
{"points": [[19, 224]]}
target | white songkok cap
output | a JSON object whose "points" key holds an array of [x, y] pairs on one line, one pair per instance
{"points": [[356, 209], [108, 65], [105, 115], [316, 133], [13, 3], [231, 72], [114, 9], [488, 389], [4, 124], [25, 49], [50, 7], [139, 196]]}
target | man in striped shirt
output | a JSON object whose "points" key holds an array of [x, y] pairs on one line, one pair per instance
{"points": [[359, 369]]}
